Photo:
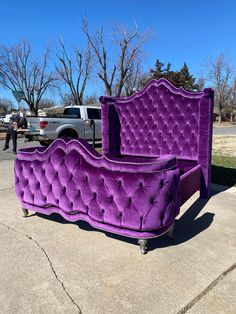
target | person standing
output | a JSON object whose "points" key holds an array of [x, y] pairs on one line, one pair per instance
{"points": [[14, 123], [23, 124]]}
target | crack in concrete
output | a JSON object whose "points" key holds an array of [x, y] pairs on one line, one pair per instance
{"points": [[208, 289], [49, 261], [7, 189], [182, 311]]}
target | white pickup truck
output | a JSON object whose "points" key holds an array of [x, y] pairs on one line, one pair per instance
{"points": [[73, 123]]}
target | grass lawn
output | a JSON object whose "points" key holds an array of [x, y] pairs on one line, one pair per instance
{"points": [[99, 149], [223, 170]]}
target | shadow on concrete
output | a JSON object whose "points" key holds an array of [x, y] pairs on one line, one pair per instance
{"points": [[223, 175], [186, 227]]}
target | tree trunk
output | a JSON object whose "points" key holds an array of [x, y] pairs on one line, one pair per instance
{"points": [[35, 112], [220, 114], [108, 90], [231, 117]]}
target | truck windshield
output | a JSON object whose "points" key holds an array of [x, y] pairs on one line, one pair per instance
{"points": [[72, 112]]}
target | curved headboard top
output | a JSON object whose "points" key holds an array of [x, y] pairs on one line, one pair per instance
{"points": [[160, 119], [156, 84]]}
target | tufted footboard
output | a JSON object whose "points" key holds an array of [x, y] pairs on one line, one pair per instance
{"points": [[131, 196]]}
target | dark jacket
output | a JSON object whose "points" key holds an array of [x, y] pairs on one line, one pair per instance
{"points": [[23, 123], [13, 123]]}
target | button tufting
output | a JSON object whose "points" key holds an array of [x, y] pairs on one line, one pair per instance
{"points": [[152, 200], [135, 140]]}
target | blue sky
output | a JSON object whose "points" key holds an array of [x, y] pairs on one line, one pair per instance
{"points": [[185, 31]]}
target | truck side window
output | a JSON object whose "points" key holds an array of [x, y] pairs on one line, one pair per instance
{"points": [[94, 113], [72, 112]]}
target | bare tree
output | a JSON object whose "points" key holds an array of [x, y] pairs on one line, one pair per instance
{"points": [[92, 99], [46, 103], [220, 74], [133, 79], [21, 72], [115, 71], [232, 101], [200, 83], [74, 70], [66, 99], [5, 106]]}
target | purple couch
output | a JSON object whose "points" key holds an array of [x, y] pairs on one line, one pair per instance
{"points": [[156, 154]]}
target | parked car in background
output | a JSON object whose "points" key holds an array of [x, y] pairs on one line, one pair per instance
{"points": [[1, 119], [73, 123], [7, 118]]}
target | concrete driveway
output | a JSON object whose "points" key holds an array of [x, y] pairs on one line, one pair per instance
{"points": [[50, 266]]}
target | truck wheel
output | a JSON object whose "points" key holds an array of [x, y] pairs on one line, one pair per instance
{"points": [[68, 133]]}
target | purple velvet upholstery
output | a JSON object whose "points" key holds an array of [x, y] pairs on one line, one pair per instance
{"points": [[156, 154], [129, 196], [160, 120]]}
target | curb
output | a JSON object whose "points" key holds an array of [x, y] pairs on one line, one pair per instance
{"points": [[224, 125]]}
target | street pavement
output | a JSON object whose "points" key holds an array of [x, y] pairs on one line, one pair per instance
{"points": [[8, 154], [48, 265], [224, 130]]}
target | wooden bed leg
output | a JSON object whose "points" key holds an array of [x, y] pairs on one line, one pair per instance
{"points": [[143, 245], [25, 212], [170, 232]]}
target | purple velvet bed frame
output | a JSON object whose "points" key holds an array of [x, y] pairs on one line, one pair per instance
{"points": [[156, 154]]}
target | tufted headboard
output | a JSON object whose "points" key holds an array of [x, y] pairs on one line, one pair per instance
{"points": [[161, 119]]}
